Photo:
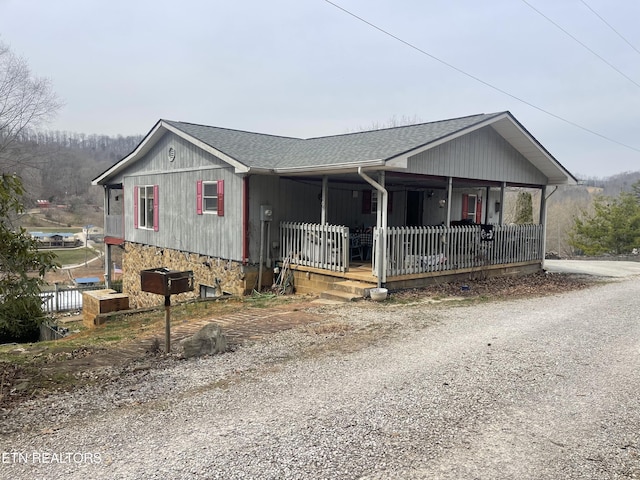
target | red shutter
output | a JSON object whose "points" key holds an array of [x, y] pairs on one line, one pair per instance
{"points": [[479, 211], [465, 206], [199, 197], [221, 198], [156, 213], [135, 207], [366, 201]]}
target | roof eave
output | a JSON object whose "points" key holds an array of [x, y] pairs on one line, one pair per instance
{"points": [[151, 139], [331, 169], [140, 150]]}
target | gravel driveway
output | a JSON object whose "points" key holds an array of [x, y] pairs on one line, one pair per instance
{"points": [[544, 388]]}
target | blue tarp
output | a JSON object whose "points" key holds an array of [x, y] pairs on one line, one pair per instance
{"points": [[86, 280]]}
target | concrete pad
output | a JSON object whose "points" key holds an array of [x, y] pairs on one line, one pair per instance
{"points": [[601, 268]]}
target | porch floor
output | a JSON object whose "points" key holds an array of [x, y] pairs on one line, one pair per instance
{"points": [[317, 280]]}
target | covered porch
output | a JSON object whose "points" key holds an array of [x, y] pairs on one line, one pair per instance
{"points": [[438, 226]]}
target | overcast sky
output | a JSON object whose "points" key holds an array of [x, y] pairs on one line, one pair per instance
{"points": [[304, 68]]}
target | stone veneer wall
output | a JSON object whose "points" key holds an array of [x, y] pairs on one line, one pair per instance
{"points": [[205, 270]]}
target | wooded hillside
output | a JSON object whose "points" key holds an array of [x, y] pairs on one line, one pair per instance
{"points": [[59, 166]]}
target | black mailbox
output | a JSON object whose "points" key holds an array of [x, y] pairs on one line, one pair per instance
{"points": [[166, 282]]}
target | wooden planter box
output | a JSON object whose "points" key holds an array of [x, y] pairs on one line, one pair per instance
{"points": [[95, 302]]}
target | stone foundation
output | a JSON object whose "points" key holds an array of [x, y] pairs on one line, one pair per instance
{"points": [[230, 275]]}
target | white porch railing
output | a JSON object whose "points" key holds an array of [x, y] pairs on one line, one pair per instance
{"points": [[314, 245], [412, 250]]}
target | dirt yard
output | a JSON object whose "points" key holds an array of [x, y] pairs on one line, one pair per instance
{"points": [[22, 374]]}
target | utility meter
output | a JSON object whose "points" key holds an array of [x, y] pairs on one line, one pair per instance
{"points": [[266, 213]]}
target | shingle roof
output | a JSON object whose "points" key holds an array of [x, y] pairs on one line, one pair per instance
{"points": [[258, 152], [269, 151]]}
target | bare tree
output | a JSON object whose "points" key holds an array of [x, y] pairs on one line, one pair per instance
{"points": [[26, 102], [393, 122]]}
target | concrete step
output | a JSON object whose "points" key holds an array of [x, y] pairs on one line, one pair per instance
{"points": [[340, 296], [353, 286]]}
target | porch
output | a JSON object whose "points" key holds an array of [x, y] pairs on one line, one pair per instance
{"points": [[322, 255]]}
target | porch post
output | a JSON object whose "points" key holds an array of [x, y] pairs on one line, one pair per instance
{"points": [[486, 205], [325, 200], [543, 219], [449, 188], [501, 217], [107, 265]]}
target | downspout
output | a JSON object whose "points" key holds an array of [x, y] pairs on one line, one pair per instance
{"points": [[381, 254]]}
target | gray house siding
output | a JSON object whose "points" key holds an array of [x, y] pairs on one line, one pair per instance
{"points": [[297, 200], [482, 155], [291, 201], [180, 227]]}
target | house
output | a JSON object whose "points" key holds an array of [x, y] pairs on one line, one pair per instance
{"points": [[395, 207], [55, 239]]}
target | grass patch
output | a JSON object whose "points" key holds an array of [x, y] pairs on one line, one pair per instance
{"points": [[37, 368], [74, 256]]}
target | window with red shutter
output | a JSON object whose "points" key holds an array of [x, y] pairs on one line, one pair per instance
{"points": [[220, 198], [212, 197], [199, 197]]}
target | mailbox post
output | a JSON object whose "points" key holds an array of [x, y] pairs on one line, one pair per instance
{"points": [[163, 281]]}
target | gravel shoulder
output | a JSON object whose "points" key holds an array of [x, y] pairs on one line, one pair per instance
{"points": [[542, 387]]}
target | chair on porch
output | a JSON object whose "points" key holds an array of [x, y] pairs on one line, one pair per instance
{"points": [[355, 248]]}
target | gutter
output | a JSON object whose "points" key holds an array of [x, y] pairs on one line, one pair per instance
{"points": [[381, 254]]}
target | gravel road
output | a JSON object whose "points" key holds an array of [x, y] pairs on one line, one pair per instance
{"points": [[543, 388]]}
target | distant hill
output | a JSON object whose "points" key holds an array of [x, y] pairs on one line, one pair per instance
{"points": [[613, 185], [58, 166]]}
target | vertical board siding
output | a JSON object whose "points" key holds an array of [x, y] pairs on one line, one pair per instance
{"points": [[482, 154], [180, 227]]}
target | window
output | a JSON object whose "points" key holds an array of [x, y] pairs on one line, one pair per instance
{"points": [[472, 201], [471, 208], [370, 201], [146, 207], [210, 197]]}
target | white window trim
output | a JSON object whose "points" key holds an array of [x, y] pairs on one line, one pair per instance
{"points": [[204, 197], [145, 214]]}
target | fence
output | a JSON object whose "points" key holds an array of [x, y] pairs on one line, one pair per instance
{"points": [[63, 299], [314, 245], [412, 250]]}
